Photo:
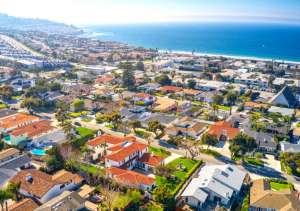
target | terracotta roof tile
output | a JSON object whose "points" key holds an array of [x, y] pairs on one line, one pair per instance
{"points": [[121, 154], [142, 95], [231, 132], [224, 124], [109, 139], [170, 88], [27, 204], [148, 159], [16, 120], [131, 176]]}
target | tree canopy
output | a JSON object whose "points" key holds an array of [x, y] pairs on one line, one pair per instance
{"points": [[31, 104], [164, 80], [55, 86], [191, 84], [155, 126], [209, 139], [35, 70], [78, 105], [128, 78], [218, 99], [35, 91]]}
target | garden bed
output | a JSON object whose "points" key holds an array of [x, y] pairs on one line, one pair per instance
{"points": [[141, 133], [86, 120]]}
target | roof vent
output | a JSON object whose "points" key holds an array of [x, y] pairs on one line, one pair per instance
{"points": [[28, 177], [69, 197]]}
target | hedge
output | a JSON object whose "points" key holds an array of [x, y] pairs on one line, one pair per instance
{"points": [[80, 141], [187, 176], [275, 115], [245, 206]]}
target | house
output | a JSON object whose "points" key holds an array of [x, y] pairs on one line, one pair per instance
{"points": [[81, 90], [143, 97], [10, 167], [240, 120], [296, 134], [164, 104], [44, 187], [105, 80], [149, 86], [55, 136], [20, 134], [122, 155], [158, 65], [288, 147], [24, 81], [230, 74], [133, 113], [282, 111], [184, 109], [188, 126], [223, 130], [254, 106], [105, 91], [53, 95], [264, 141], [9, 154], [109, 108], [4, 113], [207, 85], [15, 121], [26, 204], [67, 99], [208, 96], [285, 96], [164, 119], [186, 92], [263, 198], [169, 89], [68, 200], [221, 183], [253, 78], [90, 105]]}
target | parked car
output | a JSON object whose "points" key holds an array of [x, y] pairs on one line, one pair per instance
{"points": [[276, 157], [77, 124]]}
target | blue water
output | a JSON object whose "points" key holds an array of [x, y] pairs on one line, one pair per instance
{"points": [[259, 40], [38, 152], [7, 139]]}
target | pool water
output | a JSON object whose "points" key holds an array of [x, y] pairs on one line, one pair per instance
{"points": [[7, 139], [38, 152]]}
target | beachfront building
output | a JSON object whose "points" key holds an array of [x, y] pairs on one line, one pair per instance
{"points": [[253, 78], [158, 65]]}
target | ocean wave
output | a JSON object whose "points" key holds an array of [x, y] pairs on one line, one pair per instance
{"points": [[96, 34]]}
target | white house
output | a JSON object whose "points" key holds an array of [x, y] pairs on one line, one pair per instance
{"points": [[253, 78], [44, 187], [143, 97], [215, 183], [285, 96]]}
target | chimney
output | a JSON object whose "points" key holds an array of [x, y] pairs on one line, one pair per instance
{"points": [[152, 154], [28, 176]]}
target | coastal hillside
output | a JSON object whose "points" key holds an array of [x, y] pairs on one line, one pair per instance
{"points": [[44, 25]]}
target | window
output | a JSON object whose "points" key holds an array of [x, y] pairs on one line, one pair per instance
{"points": [[62, 186], [199, 203], [143, 165], [186, 200]]}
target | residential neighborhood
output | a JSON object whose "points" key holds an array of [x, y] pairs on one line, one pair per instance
{"points": [[100, 125]]}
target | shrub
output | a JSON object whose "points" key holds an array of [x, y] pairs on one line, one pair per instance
{"points": [[258, 155], [275, 115], [139, 103], [187, 176], [245, 206], [42, 169], [281, 105], [240, 108]]}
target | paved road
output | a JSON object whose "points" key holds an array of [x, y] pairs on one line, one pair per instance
{"points": [[253, 170]]}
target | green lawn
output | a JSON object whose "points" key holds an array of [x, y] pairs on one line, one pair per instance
{"points": [[86, 120], [109, 126], [92, 169], [189, 164], [251, 161], [148, 60], [282, 167], [154, 208], [197, 102], [298, 124], [161, 180], [159, 95], [83, 130], [16, 97], [211, 152], [224, 107], [74, 114], [278, 186], [291, 172], [2, 105], [156, 152], [141, 132]]}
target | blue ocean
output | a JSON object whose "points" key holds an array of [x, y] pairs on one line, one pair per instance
{"points": [[258, 40]]}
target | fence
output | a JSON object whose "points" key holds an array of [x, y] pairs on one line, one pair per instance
{"points": [[188, 181]]}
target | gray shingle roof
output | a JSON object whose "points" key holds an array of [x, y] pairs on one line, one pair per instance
{"points": [[56, 136], [150, 86], [16, 162], [288, 147], [162, 118], [262, 140], [4, 112], [282, 111]]}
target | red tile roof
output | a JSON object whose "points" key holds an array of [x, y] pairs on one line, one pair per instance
{"points": [[17, 120], [224, 124], [148, 159], [109, 139], [102, 80], [231, 132], [142, 95], [33, 129], [131, 176], [27, 204], [41, 182], [170, 88], [121, 154]]}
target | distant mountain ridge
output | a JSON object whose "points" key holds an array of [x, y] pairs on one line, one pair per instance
{"points": [[44, 25]]}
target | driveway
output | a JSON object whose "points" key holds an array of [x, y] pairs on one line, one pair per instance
{"points": [[225, 150], [171, 158], [271, 164]]}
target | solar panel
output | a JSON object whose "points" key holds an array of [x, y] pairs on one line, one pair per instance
{"points": [[224, 174]]}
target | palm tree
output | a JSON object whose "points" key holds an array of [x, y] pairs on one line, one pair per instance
{"points": [[4, 195], [68, 127], [214, 108], [170, 50], [13, 188], [254, 118], [205, 116], [85, 149], [172, 75], [162, 151], [104, 145], [195, 110], [183, 79], [71, 137]]}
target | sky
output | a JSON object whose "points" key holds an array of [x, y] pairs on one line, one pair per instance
{"points": [[81, 12]]}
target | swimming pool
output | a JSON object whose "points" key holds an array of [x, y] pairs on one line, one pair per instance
{"points": [[38, 152], [7, 139]]}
